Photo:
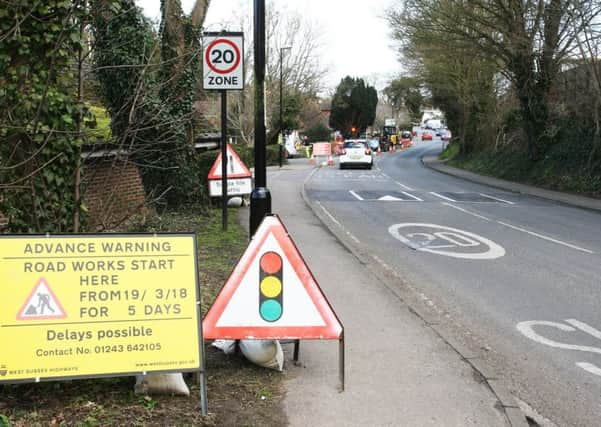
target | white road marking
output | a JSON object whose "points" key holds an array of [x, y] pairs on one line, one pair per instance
{"points": [[458, 240], [584, 327], [466, 211], [550, 239], [527, 329], [497, 199], [589, 367], [405, 187], [358, 197], [412, 196], [442, 197], [329, 214]]}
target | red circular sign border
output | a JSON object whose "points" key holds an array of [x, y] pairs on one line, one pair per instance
{"points": [[208, 51]]}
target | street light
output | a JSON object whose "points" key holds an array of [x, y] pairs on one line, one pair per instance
{"points": [[282, 49]]}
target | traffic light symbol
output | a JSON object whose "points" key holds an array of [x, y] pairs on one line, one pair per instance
{"points": [[270, 287]]}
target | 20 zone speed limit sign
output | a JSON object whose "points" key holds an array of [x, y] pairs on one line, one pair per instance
{"points": [[223, 61]]}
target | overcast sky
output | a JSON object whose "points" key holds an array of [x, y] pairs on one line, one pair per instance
{"points": [[355, 37]]}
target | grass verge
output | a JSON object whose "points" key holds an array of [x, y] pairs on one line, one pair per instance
{"points": [[239, 393]]}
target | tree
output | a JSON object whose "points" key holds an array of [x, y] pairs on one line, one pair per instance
{"points": [[405, 91], [302, 72], [39, 113], [528, 40], [148, 81], [353, 106]]}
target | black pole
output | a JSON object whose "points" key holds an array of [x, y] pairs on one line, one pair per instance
{"points": [[260, 198], [281, 104], [224, 159]]}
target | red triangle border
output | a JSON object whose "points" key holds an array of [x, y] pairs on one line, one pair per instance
{"points": [[333, 328]]}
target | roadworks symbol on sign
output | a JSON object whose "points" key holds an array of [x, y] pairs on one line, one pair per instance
{"points": [[271, 294], [235, 166], [41, 304]]}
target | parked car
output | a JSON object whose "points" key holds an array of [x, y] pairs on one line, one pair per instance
{"points": [[426, 136], [445, 135], [356, 152]]}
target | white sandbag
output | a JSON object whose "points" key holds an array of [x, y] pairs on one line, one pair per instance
{"points": [[161, 384], [235, 202], [266, 353], [227, 346]]}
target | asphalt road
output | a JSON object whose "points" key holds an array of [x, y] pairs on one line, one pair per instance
{"points": [[516, 277]]}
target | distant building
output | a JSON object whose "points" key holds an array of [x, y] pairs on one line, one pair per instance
{"points": [[431, 114]]}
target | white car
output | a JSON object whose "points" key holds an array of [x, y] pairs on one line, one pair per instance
{"points": [[356, 152]]}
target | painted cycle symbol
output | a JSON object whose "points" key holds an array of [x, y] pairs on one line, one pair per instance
{"points": [[573, 325]]}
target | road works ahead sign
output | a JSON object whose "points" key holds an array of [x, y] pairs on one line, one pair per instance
{"points": [[223, 61], [75, 306]]}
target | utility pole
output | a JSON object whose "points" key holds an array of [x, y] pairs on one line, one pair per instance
{"points": [[260, 198]]}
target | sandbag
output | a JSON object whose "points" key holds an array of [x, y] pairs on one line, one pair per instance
{"points": [[266, 353], [227, 346], [161, 384]]}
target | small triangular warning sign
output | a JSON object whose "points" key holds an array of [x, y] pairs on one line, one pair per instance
{"points": [[235, 166], [271, 294], [41, 304]]}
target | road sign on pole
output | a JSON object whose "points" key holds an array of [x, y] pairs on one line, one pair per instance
{"points": [[223, 61]]}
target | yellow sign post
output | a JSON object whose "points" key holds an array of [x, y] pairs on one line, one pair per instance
{"points": [[92, 305]]}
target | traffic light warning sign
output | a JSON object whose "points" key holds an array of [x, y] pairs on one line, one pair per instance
{"points": [[271, 294]]}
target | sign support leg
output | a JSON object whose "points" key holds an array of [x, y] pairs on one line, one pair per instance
{"points": [[341, 361], [296, 350], [204, 410], [224, 158]]}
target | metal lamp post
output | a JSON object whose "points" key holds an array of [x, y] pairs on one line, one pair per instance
{"points": [[282, 49]]}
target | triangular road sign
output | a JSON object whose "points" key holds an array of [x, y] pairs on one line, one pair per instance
{"points": [[41, 304], [235, 166], [271, 294]]}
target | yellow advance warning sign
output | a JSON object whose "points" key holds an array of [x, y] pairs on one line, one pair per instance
{"points": [[75, 306]]}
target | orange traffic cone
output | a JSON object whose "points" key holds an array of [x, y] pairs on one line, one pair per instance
{"points": [[330, 160], [312, 159], [379, 151]]}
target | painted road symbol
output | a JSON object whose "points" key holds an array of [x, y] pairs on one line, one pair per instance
{"points": [[41, 304], [271, 294], [385, 196], [447, 241], [223, 61], [573, 325]]}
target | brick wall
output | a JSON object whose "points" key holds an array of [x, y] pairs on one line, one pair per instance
{"points": [[113, 191]]}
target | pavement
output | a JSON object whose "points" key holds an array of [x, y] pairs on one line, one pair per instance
{"points": [[400, 369]]}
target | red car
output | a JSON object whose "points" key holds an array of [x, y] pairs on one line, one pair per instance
{"points": [[406, 139], [426, 136]]}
